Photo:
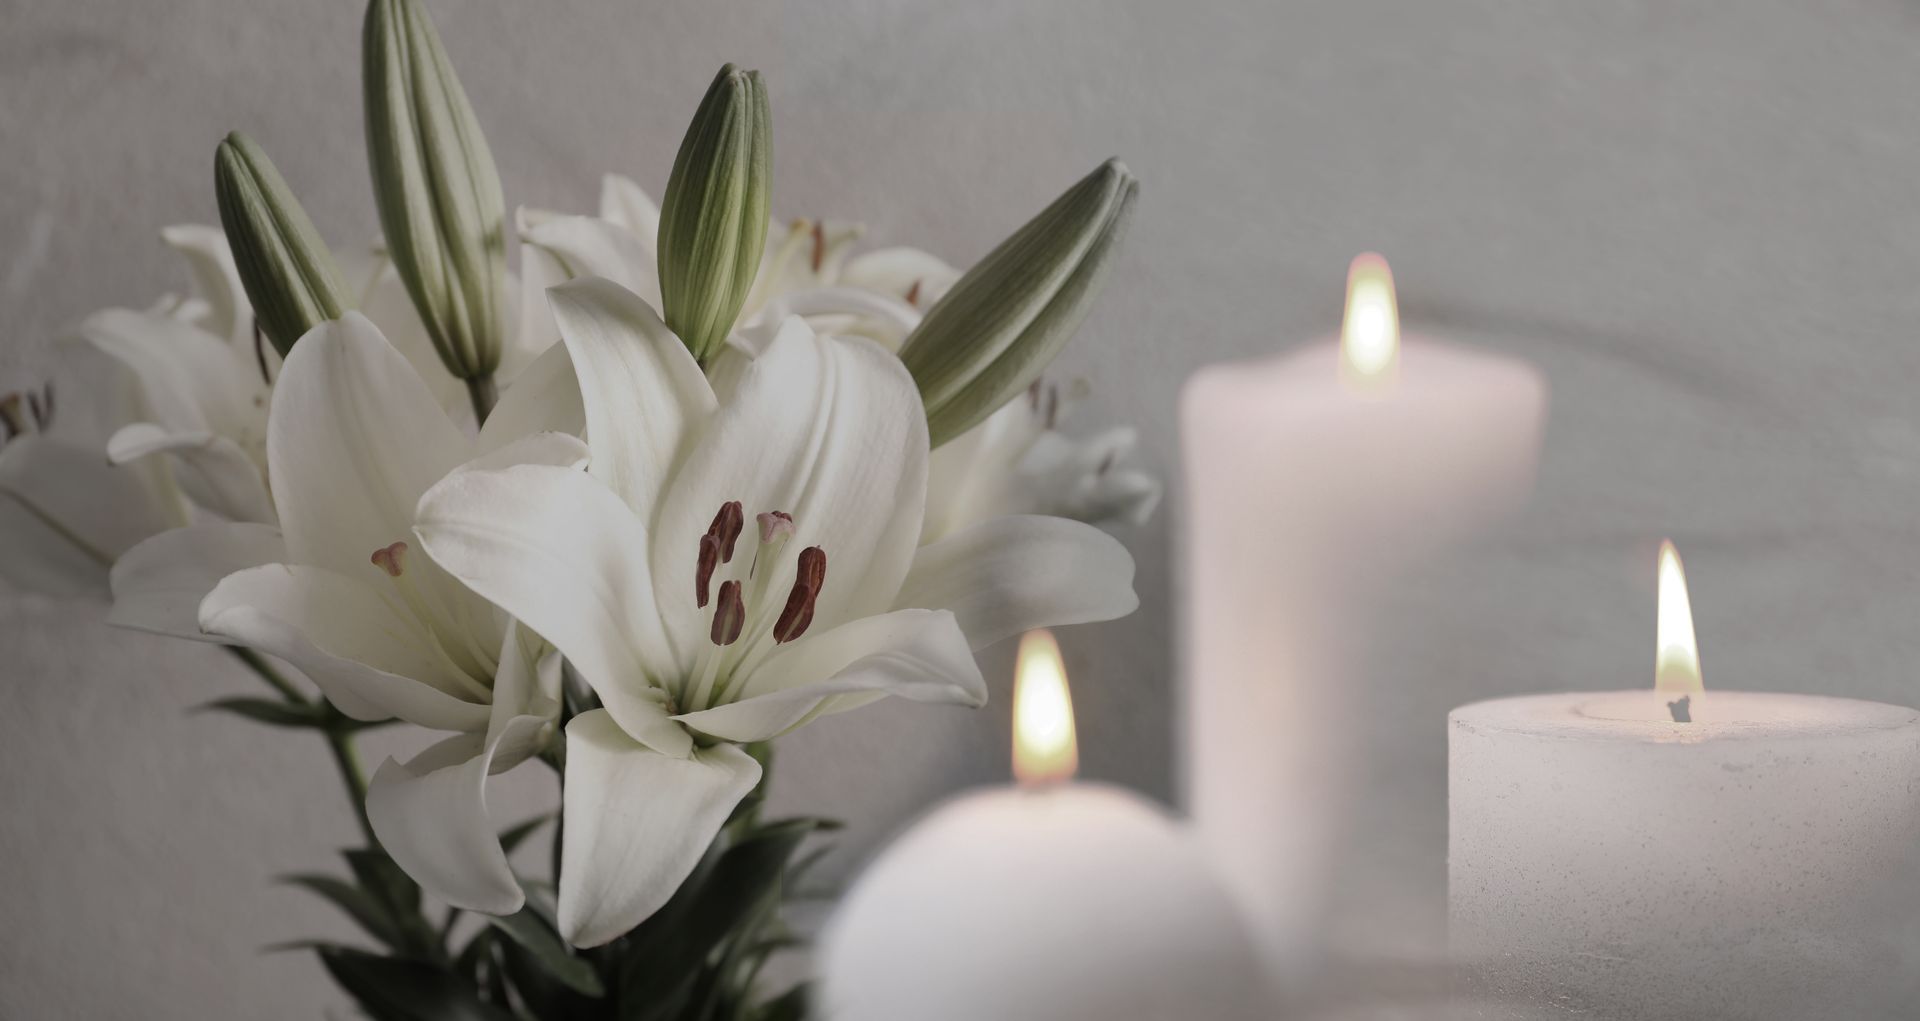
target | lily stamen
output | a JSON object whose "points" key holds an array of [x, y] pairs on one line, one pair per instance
{"points": [[729, 615], [805, 593]]}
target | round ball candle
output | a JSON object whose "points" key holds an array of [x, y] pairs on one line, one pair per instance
{"points": [[1678, 852], [1309, 476], [1050, 901]]}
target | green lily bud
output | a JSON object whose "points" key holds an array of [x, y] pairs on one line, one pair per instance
{"points": [[435, 183], [288, 274], [713, 218], [991, 336]]}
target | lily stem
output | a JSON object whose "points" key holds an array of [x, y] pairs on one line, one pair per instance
{"points": [[338, 732], [340, 742], [274, 678], [485, 394]]}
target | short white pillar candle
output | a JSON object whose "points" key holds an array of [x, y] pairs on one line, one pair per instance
{"points": [[1051, 901], [1609, 860]]}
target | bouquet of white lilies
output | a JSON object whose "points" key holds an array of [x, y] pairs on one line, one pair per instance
{"points": [[677, 487]]}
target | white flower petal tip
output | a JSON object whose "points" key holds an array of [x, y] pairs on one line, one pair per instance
{"points": [[637, 823]]}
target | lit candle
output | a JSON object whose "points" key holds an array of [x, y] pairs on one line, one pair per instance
{"points": [[1676, 851], [1049, 901], [1308, 477]]}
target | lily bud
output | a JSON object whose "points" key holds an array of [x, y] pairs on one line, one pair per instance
{"points": [[991, 336], [288, 274], [713, 218], [435, 183]]}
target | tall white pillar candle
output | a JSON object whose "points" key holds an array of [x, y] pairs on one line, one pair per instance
{"points": [[1307, 476], [1050, 901], [1610, 860]]}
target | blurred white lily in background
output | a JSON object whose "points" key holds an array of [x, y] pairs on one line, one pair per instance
{"points": [[1018, 462], [65, 512], [728, 569]]}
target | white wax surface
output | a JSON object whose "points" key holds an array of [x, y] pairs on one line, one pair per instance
{"points": [[1302, 492], [1606, 859], [1077, 903]]}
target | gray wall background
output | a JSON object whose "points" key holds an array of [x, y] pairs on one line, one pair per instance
{"points": [[1700, 220]]}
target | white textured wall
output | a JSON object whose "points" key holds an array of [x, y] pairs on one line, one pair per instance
{"points": [[1702, 221]]}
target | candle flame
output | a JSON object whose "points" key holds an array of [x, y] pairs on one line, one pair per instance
{"points": [[1676, 656], [1370, 333], [1044, 747]]}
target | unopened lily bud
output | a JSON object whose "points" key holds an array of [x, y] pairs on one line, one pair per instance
{"points": [[435, 184], [288, 274], [713, 218], [991, 336]]}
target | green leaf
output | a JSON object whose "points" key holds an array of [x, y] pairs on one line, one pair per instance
{"points": [[272, 711], [285, 268], [543, 947], [664, 957], [1002, 323], [788, 1006], [394, 989], [363, 907], [713, 216], [386, 880]]}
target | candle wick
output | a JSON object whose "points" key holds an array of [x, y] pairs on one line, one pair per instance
{"points": [[1682, 709]]}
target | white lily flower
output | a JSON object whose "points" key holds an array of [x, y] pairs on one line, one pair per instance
{"points": [[354, 438], [723, 573], [1018, 462]]}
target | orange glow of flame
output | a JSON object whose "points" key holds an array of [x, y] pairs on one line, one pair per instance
{"points": [[1044, 748], [1676, 655], [1370, 332]]}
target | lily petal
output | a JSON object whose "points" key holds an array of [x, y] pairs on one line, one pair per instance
{"points": [[637, 823], [192, 380], [369, 656], [561, 553], [66, 514], [430, 814], [624, 202], [351, 415], [212, 470], [216, 280], [545, 397], [916, 654], [830, 431], [159, 584], [431, 811], [588, 247], [642, 389], [1022, 571]]}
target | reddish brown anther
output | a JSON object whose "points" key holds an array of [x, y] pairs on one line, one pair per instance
{"points": [[913, 294], [391, 559], [729, 615], [703, 571], [819, 246], [726, 528], [798, 612]]}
